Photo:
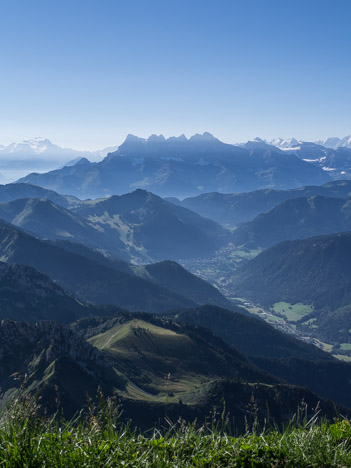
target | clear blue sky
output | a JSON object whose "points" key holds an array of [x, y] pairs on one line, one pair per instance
{"points": [[85, 73]]}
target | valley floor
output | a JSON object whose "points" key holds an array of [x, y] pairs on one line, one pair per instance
{"points": [[218, 270]]}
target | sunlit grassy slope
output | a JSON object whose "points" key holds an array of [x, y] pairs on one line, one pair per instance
{"points": [[168, 362], [162, 362]]}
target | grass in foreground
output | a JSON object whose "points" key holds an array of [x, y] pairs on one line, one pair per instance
{"points": [[30, 440]]}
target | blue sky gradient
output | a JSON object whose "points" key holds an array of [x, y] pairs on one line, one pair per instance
{"points": [[85, 73]]}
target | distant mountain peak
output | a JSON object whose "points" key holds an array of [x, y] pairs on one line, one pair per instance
{"points": [[130, 138], [332, 142], [81, 161], [284, 143], [181, 137], [184, 167], [35, 145], [38, 140], [206, 136], [156, 138], [198, 137], [138, 192], [335, 142]]}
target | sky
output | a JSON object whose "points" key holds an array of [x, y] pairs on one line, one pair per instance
{"points": [[85, 73]]}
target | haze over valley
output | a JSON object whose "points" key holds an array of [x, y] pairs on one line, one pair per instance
{"points": [[215, 243], [175, 234]]}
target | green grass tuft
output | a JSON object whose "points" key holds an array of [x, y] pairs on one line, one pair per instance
{"points": [[28, 438]]}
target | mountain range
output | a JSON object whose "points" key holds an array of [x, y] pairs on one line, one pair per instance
{"points": [[331, 142], [18, 159], [92, 277], [181, 362], [313, 271], [334, 161], [335, 142], [26, 294], [181, 167], [92, 295], [32, 149], [155, 367], [332, 155], [279, 354], [137, 226], [248, 334], [235, 208], [11, 192], [298, 218], [41, 155]]}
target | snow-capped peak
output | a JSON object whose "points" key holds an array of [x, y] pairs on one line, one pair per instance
{"points": [[282, 144], [36, 145], [335, 142]]}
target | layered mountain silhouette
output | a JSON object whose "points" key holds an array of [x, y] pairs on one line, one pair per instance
{"points": [[249, 334], [147, 349], [44, 218], [175, 278], [40, 154], [151, 364], [314, 271], [101, 282], [282, 355], [295, 219], [11, 192], [181, 167], [26, 294], [82, 261], [331, 142], [333, 157], [235, 208], [154, 228], [138, 225], [335, 142]]}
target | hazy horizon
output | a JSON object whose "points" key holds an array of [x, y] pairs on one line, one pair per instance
{"points": [[80, 148], [84, 74]]}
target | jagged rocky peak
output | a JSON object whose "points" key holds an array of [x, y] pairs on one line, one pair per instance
{"points": [[132, 143], [198, 137], [133, 139], [202, 138], [179, 138], [156, 138]]}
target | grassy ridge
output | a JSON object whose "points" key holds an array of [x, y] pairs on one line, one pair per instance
{"points": [[27, 439]]}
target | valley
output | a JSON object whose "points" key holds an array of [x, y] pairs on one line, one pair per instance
{"points": [[170, 303], [218, 268], [175, 234], [285, 316]]}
